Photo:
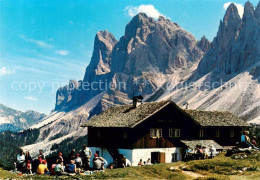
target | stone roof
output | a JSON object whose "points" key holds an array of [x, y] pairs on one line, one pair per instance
{"points": [[216, 118], [127, 116], [206, 143]]}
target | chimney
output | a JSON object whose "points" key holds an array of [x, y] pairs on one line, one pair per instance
{"points": [[137, 100]]}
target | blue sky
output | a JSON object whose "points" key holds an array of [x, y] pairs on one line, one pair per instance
{"points": [[45, 43]]}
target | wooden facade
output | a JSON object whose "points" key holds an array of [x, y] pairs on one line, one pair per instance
{"points": [[169, 117]]}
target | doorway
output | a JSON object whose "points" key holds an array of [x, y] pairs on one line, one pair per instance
{"points": [[157, 157]]}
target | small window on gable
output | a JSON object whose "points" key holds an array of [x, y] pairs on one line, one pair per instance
{"points": [[232, 133], [155, 133], [217, 133], [201, 133], [174, 132]]}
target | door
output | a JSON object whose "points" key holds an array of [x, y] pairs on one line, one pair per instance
{"points": [[162, 157], [157, 157]]}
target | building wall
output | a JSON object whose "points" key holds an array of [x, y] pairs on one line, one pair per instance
{"points": [[144, 154], [134, 155]]}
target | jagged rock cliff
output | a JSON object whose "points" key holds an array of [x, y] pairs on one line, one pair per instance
{"points": [[228, 76], [237, 44], [138, 63]]}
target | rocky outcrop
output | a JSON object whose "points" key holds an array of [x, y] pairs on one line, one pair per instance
{"points": [[237, 44], [138, 63], [66, 97], [204, 44]]}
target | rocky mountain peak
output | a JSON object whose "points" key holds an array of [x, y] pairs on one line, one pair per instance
{"points": [[138, 26], [248, 11], [231, 15], [257, 12], [101, 57], [204, 44], [107, 38]]}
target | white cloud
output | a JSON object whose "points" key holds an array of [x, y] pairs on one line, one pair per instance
{"points": [[240, 8], [6, 71], [62, 52], [147, 9], [39, 43], [30, 98]]}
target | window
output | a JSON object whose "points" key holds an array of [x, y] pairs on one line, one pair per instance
{"points": [[232, 133], [155, 133], [174, 157], [217, 133], [174, 132], [201, 133], [177, 132]]}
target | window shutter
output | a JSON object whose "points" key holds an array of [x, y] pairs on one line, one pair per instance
{"points": [[159, 133], [151, 133], [170, 132], [177, 132]]}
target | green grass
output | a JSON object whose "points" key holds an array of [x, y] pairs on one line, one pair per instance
{"points": [[219, 168]]}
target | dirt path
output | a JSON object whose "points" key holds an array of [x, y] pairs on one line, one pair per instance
{"points": [[193, 174]]}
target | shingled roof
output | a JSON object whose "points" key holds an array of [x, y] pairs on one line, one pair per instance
{"points": [[216, 118], [127, 116], [206, 143]]}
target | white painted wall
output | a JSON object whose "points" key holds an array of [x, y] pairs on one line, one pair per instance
{"points": [[134, 155], [144, 154]]}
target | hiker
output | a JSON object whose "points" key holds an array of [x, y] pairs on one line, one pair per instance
{"points": [[28, 160], [52, 170], [59, 169], [204, 153], [127, 163], [72, 155], [140, 163], [254, 141], [249, 142], [71, 168], [148, 162], [60, 158], [20, 161], [212, 150], [188, 153], [86, 154], [41, 154], [78, 161], [198, 152], [104, 164], [42, 168], [97, 162]]}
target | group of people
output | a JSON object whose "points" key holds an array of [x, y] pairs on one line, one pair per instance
{"points": [[75, 163], [200, 152], [246, 142], [143, 163]]}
